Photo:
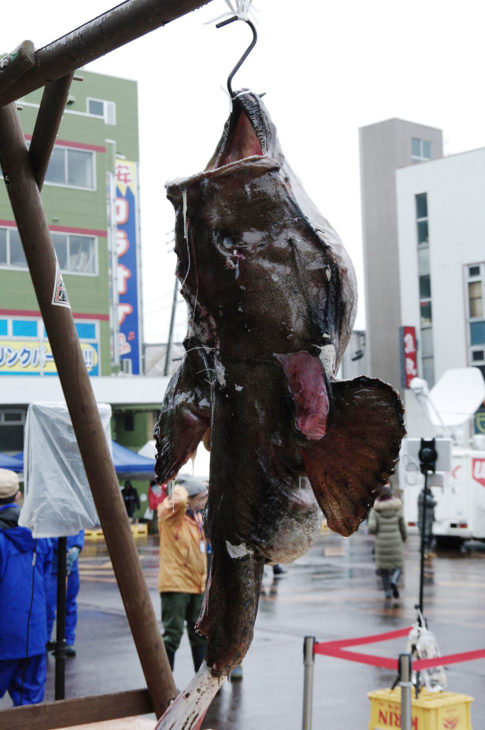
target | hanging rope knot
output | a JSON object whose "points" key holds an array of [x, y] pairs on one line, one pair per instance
{"points": [[242, 8], [239, 10]]}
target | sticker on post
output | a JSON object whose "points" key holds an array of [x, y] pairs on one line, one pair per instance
{"points": [[59, 296]]}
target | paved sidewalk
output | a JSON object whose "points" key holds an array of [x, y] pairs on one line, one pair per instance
{"points": [[330, 593]]}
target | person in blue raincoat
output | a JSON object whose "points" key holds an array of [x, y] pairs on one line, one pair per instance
{"points": [[74, 545], [25, 565]]}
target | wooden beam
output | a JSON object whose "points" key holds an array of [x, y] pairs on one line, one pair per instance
{"points": [[47, 125], [78, 711], [14, 64], [59, 323], [120, 25]]}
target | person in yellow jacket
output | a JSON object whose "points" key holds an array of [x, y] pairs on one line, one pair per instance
{"points": [[183, 565]]}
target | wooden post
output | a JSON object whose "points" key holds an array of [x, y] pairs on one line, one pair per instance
{"points": [[47, 125], [101, 35], [40, 254]]}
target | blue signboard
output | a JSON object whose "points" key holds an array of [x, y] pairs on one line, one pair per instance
{"points": [[126, 248]]}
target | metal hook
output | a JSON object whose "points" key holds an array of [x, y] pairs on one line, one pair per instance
{"points": [[245, 54]]}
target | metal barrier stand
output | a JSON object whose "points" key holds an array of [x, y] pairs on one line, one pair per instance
{"points": [[308, 662], [406, 687]]}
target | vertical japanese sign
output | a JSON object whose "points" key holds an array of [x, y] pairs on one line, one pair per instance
{"points": [[409, 355], [127, 277]]}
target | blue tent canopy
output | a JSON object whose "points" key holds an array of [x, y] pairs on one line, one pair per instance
{"points": [[15, 463], [126, 461], [129, 462]]}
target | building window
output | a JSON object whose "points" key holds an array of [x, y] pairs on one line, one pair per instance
{"points": [[11, 251], [76, 254], [424, 282], [475, 286], [74, 168], [420, 150], [12, 430], [422, 218], [102, 108]]}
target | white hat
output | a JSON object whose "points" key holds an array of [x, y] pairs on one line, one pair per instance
{"points": [[9, 483], [193, 485]]}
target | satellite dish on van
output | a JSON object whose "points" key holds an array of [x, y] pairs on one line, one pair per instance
{"points": [[456, 396]]}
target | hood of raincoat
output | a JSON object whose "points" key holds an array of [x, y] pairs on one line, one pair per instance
{"points": [[9, 515], [387, 504], [21, 537]]}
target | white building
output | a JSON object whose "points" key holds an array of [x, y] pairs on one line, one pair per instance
{"points": [[441, 235]]}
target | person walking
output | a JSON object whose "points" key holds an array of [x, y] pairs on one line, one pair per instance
{"points": [[130, 498], [426, 495], [25, 565], [74, 545], [386, 522], [183, 565]]}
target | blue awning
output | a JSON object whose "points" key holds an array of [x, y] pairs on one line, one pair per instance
{"points": [[129, 462], [15, 463], [126, 461]]}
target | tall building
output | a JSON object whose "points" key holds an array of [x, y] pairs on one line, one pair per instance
{"points": [[384, 148], [90, 197]]}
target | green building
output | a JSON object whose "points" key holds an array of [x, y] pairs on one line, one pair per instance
{"points": [[97, 141], [91, 201]]}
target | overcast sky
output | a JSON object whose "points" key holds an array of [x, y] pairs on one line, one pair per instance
{"points": [[327, 68]]}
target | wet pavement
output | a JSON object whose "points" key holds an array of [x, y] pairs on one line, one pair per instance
{"points": [[330, 593]]}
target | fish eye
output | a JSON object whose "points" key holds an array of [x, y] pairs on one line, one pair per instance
{"points": [[227, 242]]}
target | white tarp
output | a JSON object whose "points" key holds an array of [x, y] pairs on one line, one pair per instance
{"points": [[58, 500]]}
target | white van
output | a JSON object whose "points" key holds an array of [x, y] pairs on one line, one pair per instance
{"points": [[459, 493]]}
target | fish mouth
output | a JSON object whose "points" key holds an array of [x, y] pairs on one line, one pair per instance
{"points": [[248, 139], [248, 133]]}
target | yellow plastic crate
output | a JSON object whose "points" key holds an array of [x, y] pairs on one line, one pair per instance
{"points": [[93, 535], [140, 530], [431, 711]]}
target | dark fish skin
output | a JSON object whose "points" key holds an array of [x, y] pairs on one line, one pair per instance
{"points": [[272, 297], [185, 413]]}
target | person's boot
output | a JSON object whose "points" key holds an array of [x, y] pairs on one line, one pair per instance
{"points": [[170, 657], [237, 673], [198, 655]]}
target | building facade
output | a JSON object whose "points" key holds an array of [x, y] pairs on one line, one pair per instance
{"points": [[384, 148], [441, 233], [91, 197]]}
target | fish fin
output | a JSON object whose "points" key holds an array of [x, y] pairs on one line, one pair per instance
{"points": [[358, 453], [306, 382], [184, 418]]}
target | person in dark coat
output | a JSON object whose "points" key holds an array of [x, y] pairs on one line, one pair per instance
{"points": [[25, 565], [386, 522], [426, 494], [130, 498], [74, 545]]}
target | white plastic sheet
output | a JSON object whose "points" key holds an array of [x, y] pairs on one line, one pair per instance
{"points": [[58, 500]]}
